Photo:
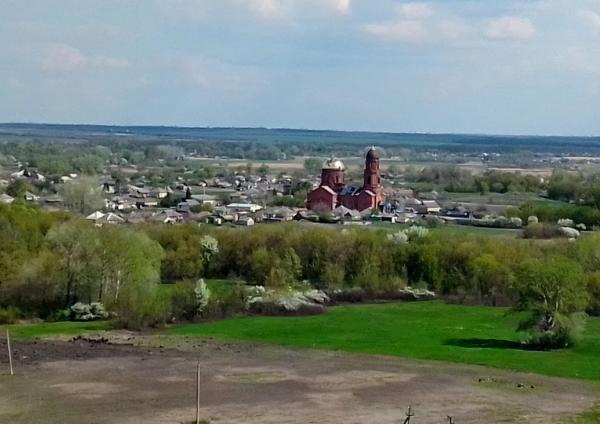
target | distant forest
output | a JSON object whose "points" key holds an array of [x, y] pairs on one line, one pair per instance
{"points": [[268, 144]]}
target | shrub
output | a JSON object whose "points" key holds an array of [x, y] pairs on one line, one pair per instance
{"points": [[83, 312], [543, 231], [139, 309], [202, 293], [416, 232], [286, 302], [570, 233], [566, 222], [360, 295], [184, 305], [229, 303], [10, 315]]}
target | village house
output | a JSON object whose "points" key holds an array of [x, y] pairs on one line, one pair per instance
{"points": [[6, 199]]}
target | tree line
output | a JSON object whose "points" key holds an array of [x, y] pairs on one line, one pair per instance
{"points": [[51, 261]]}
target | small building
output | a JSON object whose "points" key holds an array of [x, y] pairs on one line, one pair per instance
{"points": [[187, 205], [159, 193], [206, 199], [245, 220], [167, 216], [345, 214], [6, 199], [282, 214], [109, 218], [243, 207], [94, 216], [429, 206], [30, 197], [148, 202]]}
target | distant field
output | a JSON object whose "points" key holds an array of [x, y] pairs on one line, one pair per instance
{"points": [[454, 142], [424, 330]]}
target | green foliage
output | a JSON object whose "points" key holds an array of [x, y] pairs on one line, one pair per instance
{"points": [[423, 330], [458, 180], [184, 304], [552, 292], [82, 195], [182, 245], [31, 331], [18, 188], [313, 165], [207, 207], [10, 315], [551, 213]]}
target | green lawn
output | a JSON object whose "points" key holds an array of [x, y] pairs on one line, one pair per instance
{"points": [[426, 330], [57, 328]]}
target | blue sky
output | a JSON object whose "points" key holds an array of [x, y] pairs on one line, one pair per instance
{"points": [[494, 66]]}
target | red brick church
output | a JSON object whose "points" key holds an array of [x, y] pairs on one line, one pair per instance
{"points": [[333, 191]]}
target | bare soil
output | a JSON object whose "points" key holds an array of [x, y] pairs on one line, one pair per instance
{"points": [[132, 380]]}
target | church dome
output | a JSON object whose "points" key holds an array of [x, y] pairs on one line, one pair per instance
{"points": [[372, 154], [334, 164]]}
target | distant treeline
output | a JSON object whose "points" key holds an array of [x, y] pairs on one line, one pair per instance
{"points": [[308, 141]]}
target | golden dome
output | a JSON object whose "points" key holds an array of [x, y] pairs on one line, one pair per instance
{"points": [[334, 164]]}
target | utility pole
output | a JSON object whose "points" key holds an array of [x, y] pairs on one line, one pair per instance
{"points": [[9, 352], [198, 395], [409, 414]]}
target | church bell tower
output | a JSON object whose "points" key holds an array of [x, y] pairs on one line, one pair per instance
{"points": [[372, 176]]}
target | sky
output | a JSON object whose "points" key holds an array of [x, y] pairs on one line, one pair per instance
{"points": [[444, 66]]}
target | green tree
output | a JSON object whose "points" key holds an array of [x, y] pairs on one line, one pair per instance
{"points": [[552, 291], [209, 249], [313, 165], [83, 195], [131, 264], [263, 169], [76, 245], [18, 188]]}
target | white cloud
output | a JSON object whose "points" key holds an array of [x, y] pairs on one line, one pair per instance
{"points": [[265, 9], [510, 28], [580, 59], [452, 30], [207, 74], [64, 58], [67, 59], [339, 6], [407, 31], [591, 18], [415, 11]]}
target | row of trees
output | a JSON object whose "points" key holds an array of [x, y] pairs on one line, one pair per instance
{"points": [[554, 283], [50, 261], [455, 179]]}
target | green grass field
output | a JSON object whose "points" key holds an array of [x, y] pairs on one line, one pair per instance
{"points": [[425, 330], [430, 330], [57, 329]]}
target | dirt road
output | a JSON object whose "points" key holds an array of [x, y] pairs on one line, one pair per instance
{"points": [[88, 383]]}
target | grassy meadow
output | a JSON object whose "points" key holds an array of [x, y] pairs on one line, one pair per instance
{"points": [[423, 330]]}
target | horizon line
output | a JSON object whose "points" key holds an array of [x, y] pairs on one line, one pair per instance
{"points": [[297, 129]]}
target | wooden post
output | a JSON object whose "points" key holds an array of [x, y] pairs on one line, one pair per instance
{"points": [[9, 352], [198, 395]]}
